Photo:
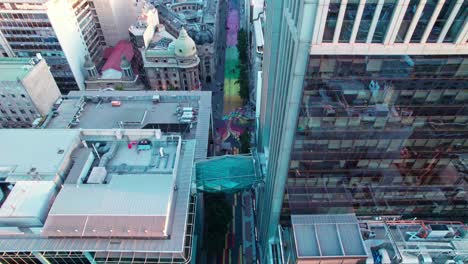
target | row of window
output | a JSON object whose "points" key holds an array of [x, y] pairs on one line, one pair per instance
{"points": [[81, 8], [304, 145], [388, 66], [374, 124], [27, 32], [12, 95], [14, 112], [9, 16], [22, 6], [15, 119], [32, 39], [375, 209], [24, 24], [385, 15], [187, 7], [362, 95], [35, 47]]}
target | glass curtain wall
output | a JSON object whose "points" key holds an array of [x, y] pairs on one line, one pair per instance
{"points": [[382, 135]]}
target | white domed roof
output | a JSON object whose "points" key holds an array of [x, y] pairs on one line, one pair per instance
{"points": [[184, 45]]}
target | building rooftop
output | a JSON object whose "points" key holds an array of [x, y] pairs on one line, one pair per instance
{"points": [[170, 17], [415, 241], [327, 236], [123, 48], [129, 177], [201, 34], [148, 18], [161, 40], [42, 162], [385, 239], [133, 185], [13, 69], [26, 203], [94, 110]]}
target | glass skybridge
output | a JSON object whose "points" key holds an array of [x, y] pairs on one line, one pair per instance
{"points": [[226, 173]]}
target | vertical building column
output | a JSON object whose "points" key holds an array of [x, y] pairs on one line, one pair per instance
{"points": [[4, 44], [281, 138], [339, 22], [449, 21], [432, 21], [375, 20], [320, 21], [395, 23], [357, 21], [415, 21], [89, 257], [463, 35], [41, 258]]}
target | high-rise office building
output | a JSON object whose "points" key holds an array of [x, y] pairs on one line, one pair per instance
{"points": [[116, 16], [364, 109], [62, 31]]}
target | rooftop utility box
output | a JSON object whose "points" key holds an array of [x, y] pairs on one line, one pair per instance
{"points": [[27, 204]]}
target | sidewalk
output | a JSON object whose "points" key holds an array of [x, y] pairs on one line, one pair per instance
{"points": [[248, 229]]}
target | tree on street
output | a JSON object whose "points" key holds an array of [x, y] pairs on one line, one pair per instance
{"points": [[242, 47], [245, 142], [218, 217]]}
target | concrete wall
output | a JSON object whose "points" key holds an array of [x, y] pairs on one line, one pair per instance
{"points": [[206, 53], [116, 16], [41, 87], [287, 42], [115, 84], [4, 47], [16, 107], [176, 73], [66, 27]]}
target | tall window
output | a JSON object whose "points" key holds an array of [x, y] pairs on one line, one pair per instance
{"points": [[409, 15], [423, 20], [441, 20], [384, 21], [348, 20], [330, 24], [366, 20], [457, 24]]}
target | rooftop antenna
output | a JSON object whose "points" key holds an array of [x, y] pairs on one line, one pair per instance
{"points": [[161, 151]]}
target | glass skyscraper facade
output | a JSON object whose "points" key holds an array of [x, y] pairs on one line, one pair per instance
{"points": [[381, 135], [363, 110]]}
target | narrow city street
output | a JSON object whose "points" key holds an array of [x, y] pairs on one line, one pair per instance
{"points": [[233, 249], [216, 86], [225, 101]]}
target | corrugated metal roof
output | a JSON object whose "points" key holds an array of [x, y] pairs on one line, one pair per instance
{"points": [[122, 196], [318, 236], [124, 201], [120, 226]]}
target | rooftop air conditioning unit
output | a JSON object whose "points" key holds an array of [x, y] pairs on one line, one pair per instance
{"points": [[439, 231]]}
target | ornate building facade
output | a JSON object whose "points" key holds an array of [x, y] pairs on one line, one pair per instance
{"points": [[168, 63]]}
